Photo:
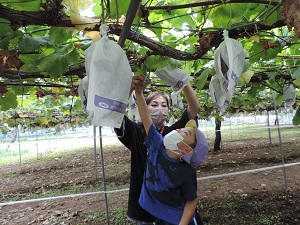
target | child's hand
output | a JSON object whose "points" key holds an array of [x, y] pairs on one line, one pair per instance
{"points": [[138, 82]]}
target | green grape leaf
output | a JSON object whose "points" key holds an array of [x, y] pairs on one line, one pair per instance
{"points": [[41, 121], [51, 102], [295, 73], [175, 63], [253, 10], [5, 28], [4, 41], [157, 16], [59, 35], [10, 39], [77, 105], [29, 61], [49, 114], [171, 40], [191, 40], [154, 62], [271, 53], [178, 22], [278, 98], [245, 77], [119, 7], [255, 52], [271, 19], [202, 79], [141, 70], [30, 44], [58, 63], [97, 9], [20, 90], [25, 5], [187, 67], [157, 32], [252, 92], [227, 14], [8, 101], [296, 119], [297, 82]]}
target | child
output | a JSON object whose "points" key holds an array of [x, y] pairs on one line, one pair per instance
{"points": [[169, 190]]}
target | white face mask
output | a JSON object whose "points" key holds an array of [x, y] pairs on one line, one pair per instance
{"points": [[159, 115], [171, 140]]}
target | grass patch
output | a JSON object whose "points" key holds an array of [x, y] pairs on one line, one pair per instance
{"points": [[9, 156], [116, 216], [45, 150], [46, 191], [254, 131], [262, 209]]}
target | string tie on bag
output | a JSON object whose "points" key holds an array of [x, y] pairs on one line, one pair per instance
{"points": [[104, 29]]}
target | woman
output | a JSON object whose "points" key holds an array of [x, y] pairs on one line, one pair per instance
{"points": [[132, 135]]}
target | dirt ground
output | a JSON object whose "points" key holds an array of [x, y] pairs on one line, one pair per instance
{"points": [[70, 174]]}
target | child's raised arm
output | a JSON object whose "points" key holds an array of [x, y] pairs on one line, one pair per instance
{"points": [[142, 106]]}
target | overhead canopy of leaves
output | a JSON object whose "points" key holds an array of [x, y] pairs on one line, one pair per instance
{"points": [[42, 44]]}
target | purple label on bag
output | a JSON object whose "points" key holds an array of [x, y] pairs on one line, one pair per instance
{"points": [[178, 85], [133, 106], [109, 104], [235, 78], [225, 85]]}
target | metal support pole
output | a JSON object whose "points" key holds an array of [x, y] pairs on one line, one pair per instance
{"points": [[37, 144], [131, 12], [95, 155], [269, 131], [280, 145], [103, 177], [19, 148], [102, 167]]}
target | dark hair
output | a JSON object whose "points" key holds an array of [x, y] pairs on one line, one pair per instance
{"points": [[153, 95]]}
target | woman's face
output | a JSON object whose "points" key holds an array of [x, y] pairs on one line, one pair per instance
{"points": [[158, 102], [158, 109]]}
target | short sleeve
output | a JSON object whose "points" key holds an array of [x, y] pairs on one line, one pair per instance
{"points": [[153, 139]]}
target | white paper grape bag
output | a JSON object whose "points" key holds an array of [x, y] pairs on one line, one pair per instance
{"points": [[229, 63], [174, 76], [83, 93], [289, 95], [109, 75], [176, 100], [133, 111]]}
